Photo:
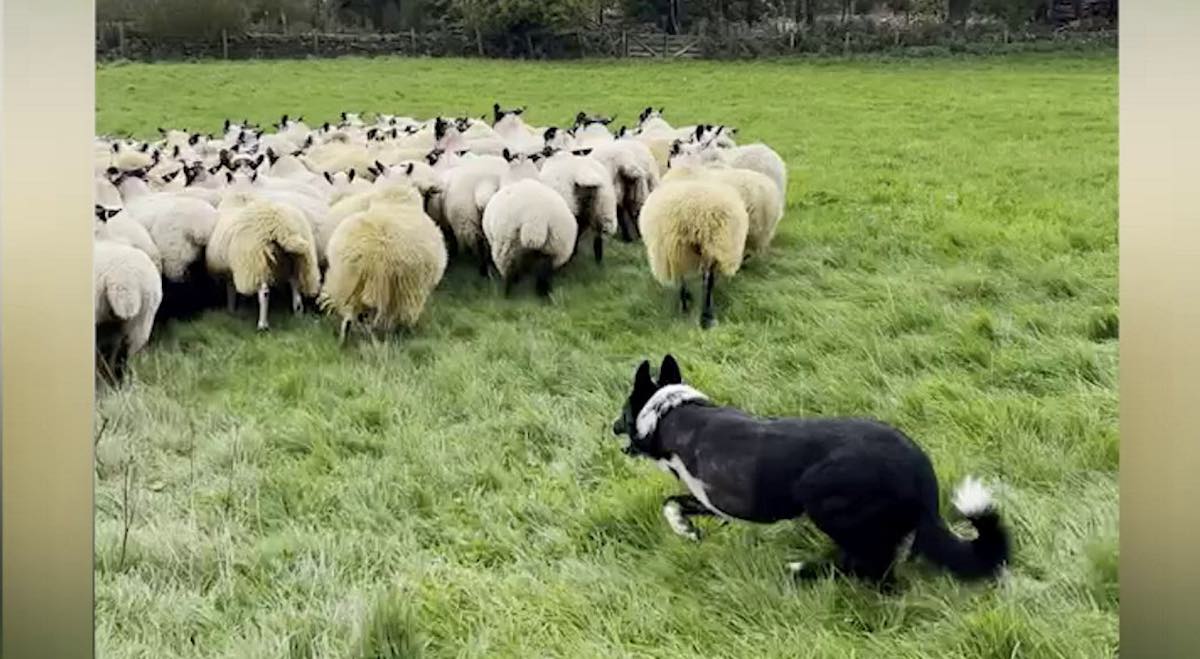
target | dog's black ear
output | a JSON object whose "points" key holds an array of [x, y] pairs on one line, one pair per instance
{"points": [[669, 373], [642, 382]]}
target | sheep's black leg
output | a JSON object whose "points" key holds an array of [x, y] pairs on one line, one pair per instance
{"points": [[623, 225], [451, 240], [678, 510], [120, 360], [230, 297], [544, 276], [707, 315], [485, 257], [685, 297], [598, 247]]}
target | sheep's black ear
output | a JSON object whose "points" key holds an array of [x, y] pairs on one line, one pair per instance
{"points": [[144, 147], [227, 124], [395, 133], [508, 155], [519, 111], [325, 127], [379, 166], [582, 152], [354, 172], [645, 113], [162, 131], [372, 133], [167, 178], [254, 177], [676, 147], [699, 132], [550, 133], [409, 170], [258, 161], [272, 156], [621, 132], [669, 372], [432, 158], [548, 151], [308, 141], [116, 147], [283, 120], [329, 177], [343, 116], [537, 157], [229, 177], [175, 151], [580, 118], [661, 110]]}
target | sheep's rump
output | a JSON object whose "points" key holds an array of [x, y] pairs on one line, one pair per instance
{"points": [[252, 242], [529, 216], [127, 290], [760, 197], [689, 225], [387, 260]]}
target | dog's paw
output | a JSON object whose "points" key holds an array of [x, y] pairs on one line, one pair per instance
{"points": [[679, 523]]}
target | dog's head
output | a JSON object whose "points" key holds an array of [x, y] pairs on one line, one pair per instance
{"points": [[644, 388]]}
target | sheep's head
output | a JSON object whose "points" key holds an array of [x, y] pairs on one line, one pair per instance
{"points": [[685, 154], [648, 114], [440, 128], [105, 214], [521, 166]]}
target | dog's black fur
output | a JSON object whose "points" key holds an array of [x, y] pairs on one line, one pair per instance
{"points": [[863, 483]]}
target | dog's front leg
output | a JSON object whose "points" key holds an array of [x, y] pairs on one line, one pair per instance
{"points": [[679, 509]]}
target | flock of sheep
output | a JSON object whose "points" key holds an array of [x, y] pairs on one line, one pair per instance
{"points": [[363, 217]]}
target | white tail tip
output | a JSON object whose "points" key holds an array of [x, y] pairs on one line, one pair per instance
{"points": [[971, 498]]}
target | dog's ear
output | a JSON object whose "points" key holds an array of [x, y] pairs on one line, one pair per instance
{"points": [[669, 373], [641, 378]]}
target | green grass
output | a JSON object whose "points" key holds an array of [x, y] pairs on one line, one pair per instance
{"points": [[947, 263]]}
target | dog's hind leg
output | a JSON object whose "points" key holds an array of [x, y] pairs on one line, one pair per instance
{"points": [[678, 509]]}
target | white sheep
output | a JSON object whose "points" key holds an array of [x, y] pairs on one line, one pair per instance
{"points": [[116, 225], [127, 293], [694, 226], [587, 187], [179, 225], [759, 195], [758, 157], [528, 226], [467, 190], [635, 175], [259, 243], [385, 260]]}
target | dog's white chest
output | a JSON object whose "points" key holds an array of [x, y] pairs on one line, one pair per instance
{"points": [[694, 485]]}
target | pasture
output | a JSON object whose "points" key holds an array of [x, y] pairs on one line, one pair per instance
{"points": [[948, 263]]}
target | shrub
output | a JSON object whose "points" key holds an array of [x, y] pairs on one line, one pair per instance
{"points": [[189, 18]]}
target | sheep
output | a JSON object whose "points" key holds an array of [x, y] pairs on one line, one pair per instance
{"points": [[386, 259], [758, 157], [179, 225], [448, 137], [651, 121], [517, 135], [467, 190], [118, 226], [587, 187], [692, 226], [528, 226], [635, 175], [759, 195], [345, 184], [127, 294], [422, 176], [591, 132], [258, 243]]}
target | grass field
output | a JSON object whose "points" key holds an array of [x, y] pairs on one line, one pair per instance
{"points": [[948, 263]]}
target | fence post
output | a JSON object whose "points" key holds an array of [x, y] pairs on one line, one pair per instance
{"points": [[665, 46], [846, 45], [624, 43], [315, 43], [225, 44], [479, 41], [412, 33], [121, 39]]}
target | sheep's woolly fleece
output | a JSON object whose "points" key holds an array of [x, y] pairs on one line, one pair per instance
{"points": [[127, 290], [251, 236], [528, 216], [387, 259], [689, 225], [180, 227], [764, 204], [122, 228], [586, 187]]}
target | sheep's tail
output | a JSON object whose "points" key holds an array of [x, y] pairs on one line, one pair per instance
{"points": [[535, 230], [125, 300], [980, 558], [484, 192]]}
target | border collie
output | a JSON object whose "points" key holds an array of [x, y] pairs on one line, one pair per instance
{"points": [[863, 483]]}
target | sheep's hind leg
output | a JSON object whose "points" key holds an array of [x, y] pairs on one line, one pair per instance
{"points": [[485, 257], [230, 297], [544, 276], [297, 299], [707, 315], [685, 297], [344, 331], [264, 295], [598, 247]]}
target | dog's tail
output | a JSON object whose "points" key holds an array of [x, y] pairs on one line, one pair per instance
{"points": [[980, 558]]}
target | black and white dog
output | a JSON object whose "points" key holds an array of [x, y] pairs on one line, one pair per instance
{"points": [[865, 484]]}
